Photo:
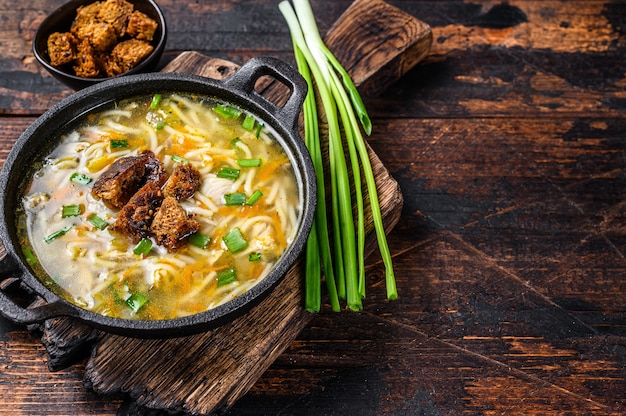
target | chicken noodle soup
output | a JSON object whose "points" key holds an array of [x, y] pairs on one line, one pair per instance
{"points": [[160, 207]]}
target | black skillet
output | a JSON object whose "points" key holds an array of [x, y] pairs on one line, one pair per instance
{"points": [[35, 143]]}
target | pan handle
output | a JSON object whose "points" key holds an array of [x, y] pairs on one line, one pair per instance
{"points": [[246, 77], [11, 310]]}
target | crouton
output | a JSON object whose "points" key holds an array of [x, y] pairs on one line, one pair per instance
{"points": [[85, 15], [126, 55], [126, 175], [141, 26], [86, 64], [61, 48], [155, 172], [101, 36], [118, 184], [136, 217], [172, 225], [185, 180], [116, 13]]}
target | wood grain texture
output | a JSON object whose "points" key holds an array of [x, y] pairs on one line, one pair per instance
{"points": [[211, 371], [507, 141], [382, 55]]}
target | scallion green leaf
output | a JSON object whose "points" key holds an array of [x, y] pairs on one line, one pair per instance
{"points": [[254, 256], [234, 240], [118, 144], [180, 159], [160, 125], [254, 197], [136, 301], [30, 256], [57, 234], [143, 247], [71, 211], [199, 240], [80, 179], [97, 222], [259, 127], [248, 122], [235, 199], [249, 163], [226, 276], [227, 172], [227, 111], [156, 99]]}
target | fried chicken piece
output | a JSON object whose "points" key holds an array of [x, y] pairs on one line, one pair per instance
{"points": [[61, 48], [172, 225], [136, 217], [183, 183], [140, 26]]}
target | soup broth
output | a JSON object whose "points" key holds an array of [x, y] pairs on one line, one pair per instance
{"points": [[245, 209]]}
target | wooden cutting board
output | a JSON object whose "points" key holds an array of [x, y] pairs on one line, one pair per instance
{"points": [[208, 372]]}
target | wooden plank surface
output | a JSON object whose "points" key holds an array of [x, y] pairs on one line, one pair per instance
{"points": [[209, 372], [508, 144]]}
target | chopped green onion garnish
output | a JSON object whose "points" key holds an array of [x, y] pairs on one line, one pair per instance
{"points": [[155, 101], [234, 240], [30, 256], [71, 211], [249, 163], [97, 222], [180, 159], [116, 144], [227, 111], [254, 197], [228, 173], [226, 276], [136, 301], [57, 234], [248, 122], [235, 199], [143, 247], [233, 142], [259, 127], [160, 125], [80, 179], [199, 240], [254, 256]]}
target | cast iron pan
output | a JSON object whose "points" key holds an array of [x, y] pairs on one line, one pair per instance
{"points": [[35, 143]]}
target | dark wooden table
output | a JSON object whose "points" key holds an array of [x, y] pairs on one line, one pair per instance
{"points": [[509, 144]]}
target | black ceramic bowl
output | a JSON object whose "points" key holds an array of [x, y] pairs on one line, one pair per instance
{"points": [[36, 142], [61, 19]]}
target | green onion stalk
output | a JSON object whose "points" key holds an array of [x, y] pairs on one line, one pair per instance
{"points": [[343, 109]]}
